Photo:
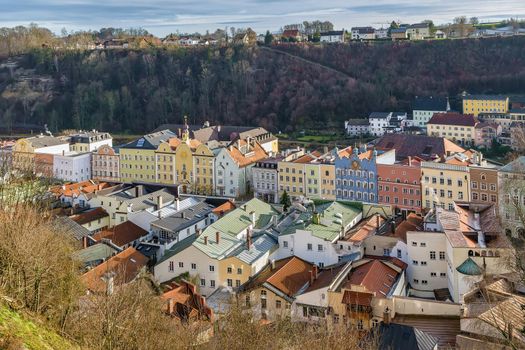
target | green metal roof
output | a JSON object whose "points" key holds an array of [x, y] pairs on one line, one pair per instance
{"points": [[469, 267], [178, 247], [230, 225], [328, 228]]}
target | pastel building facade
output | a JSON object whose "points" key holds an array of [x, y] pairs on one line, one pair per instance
{"points": [[72, 166]]}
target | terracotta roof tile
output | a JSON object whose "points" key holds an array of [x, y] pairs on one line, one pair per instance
{"points": [[121, 234], [375, 275], [357, 298], [292, 276], [365, 228], [257, 153], [124, 267], [89, 216], [224, 208]]}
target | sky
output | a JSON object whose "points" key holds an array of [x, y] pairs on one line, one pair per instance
{"points": [[162, 17]]}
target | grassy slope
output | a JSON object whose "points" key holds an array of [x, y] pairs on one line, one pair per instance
{"points": [[20, 329]]}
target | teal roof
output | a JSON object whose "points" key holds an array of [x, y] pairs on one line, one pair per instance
{"points": [[329, 227], [469, 267], [99, 251], [230, 225], [178, 247]]}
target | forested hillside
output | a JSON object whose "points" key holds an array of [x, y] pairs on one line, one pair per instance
{"points": [[135, 91]]}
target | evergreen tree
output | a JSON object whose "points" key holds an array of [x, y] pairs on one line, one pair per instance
{"points": [[285, 201]]}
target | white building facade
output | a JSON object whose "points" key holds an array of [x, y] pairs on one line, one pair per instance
{"points": [[72, 166]]}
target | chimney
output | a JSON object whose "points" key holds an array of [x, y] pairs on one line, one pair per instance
{"points": [[63, 152], [312, 277], [316, 272], [409, 161], [138, 190], [182, 215], [177, 204], [205, 240], [248, 240], [273, 264], [386, 316], [159, 202], [198, 232], [217, 237], [252, 216], [377, 223], [239, 144]]}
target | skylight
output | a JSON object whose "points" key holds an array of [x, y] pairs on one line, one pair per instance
{"points": [[140, 143]]}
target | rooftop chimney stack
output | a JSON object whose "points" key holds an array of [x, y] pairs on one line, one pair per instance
{"points": [[171, 306], [177, 204], [386, 316], [160, 203], [248, 240], [205, 240], [252, 216], [217, 237]]}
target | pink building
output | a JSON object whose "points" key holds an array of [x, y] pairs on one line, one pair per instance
{"points": [[105, 164], [399, 184]]}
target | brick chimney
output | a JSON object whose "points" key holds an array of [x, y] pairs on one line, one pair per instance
{"points": [[205, 240], [386, 316], [248, 240], [217, 237]]}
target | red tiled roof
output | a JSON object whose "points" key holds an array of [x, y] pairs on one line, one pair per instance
{"points": [[290, 33], [413, 222], [366, 228], [224, 208], [357, 298], [124, 267], [89, 216], [375, 275], [121, 234], [292, 276], [257, 153], [452, 118]]}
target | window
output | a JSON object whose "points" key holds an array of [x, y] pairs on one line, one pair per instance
{"points": [[263, 293], [285, 244], [399, 253], [212, 268], [212, 283], [414, 244], [386, 252], [203, 282], [432, 255], [442, 275], [415, 262], [433, 274], [320, 247], [263, 303], [181, 264], [248, 304], [423, 263], [422, 244], [309, 246], [193, 266], [229, 270], [277, 304], [424, 282], [230, 282], [171, 267], [416, 281], [239, 270], [441, 255], [237, 283]]}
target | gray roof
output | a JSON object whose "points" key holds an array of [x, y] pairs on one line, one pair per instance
{"points": [[145, 201], [70, 227], [357, 121], [379, 115], [485, 97], [178, 247], [419, 25], [395, 336], [150, 141], [185, 218], [430, 103], [96, 252], [516, 166], [46, 141], [398, 30], [260, 246]]}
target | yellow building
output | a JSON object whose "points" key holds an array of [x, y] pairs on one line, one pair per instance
{"points": [[186, 162], [311, 175], [25, 150], [203, 163], [233, 272], [165, 162], [476, 104], [137, 158], [460, 128], [444, 183]]}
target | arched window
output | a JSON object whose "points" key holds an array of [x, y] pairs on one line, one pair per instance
{"points": [[470, 253]]}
